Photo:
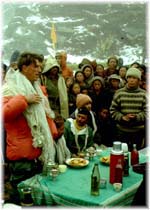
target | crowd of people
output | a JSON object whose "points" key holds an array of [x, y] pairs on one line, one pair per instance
{"points": [[51, 112]]}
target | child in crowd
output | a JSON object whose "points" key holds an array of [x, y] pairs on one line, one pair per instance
{"points": [[74, 90], [61, 151], [96, 93], [106, 127], [80, 78], [99, 71], [122, 73], [69, 81]]}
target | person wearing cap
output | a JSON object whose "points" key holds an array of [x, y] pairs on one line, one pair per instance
{"points": [[61, 58], [82, 101], [56, 87], [77, 133], [128, 109], [114, 83]]}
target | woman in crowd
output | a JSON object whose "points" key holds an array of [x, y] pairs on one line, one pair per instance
{"points": [[56, 88], [97, 92], [88, 72]]}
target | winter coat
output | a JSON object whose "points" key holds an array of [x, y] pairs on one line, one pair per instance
{"points": [[19, 138], [70, 137]]}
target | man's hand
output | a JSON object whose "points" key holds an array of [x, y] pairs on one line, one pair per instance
{"points": [[33, 98], [129, 117]]}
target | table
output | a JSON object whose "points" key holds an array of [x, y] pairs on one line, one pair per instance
{"points": [[72, 188]]}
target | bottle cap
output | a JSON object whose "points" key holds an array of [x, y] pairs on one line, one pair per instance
{"points": [[117, 149], [124, 147], [117, 145]]}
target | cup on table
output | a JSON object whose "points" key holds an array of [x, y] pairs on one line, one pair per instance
{"points": [[117, 187], [103, 183], [98, 151], [62, 168]]}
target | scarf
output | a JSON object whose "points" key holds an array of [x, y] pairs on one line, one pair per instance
{"points": [[76, 133], [63, 97], [62, 152], [35, 113]]}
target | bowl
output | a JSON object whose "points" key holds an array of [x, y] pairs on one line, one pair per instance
{"points": [[62, 168], [117, 186]]}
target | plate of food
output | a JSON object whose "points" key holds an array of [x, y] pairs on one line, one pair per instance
{"points": [[105, 160], [77, 162]]}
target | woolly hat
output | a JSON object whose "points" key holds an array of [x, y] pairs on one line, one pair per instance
{"points": [[134, 72], [98, 78], [87, 65], [84, 111], [49, 64], [82, 99], [114, 76], [14, 57], [83, 62]]}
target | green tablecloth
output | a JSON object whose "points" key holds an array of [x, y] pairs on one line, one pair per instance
{"points": [[72, 188]]}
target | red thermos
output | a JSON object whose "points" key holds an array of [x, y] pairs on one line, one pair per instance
{"points": [[115, 156]]}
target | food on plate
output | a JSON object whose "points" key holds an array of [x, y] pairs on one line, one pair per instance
{"points": [[105, 159], [77, 162]]}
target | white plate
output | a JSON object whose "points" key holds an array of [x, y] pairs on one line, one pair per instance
{"points": [[77, 162]]}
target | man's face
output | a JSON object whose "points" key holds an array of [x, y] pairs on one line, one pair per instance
{"points": [[133, 82], [61, 59], [112, 63], [33, 71], [81, 119]]}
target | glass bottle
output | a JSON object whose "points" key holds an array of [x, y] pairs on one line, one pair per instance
{"points": [[116, 154], [134, 155], [26, 197], [118, 172], [95, 180], [126, 159]]}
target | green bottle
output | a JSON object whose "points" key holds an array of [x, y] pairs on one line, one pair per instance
{"points": [[95, 180]]}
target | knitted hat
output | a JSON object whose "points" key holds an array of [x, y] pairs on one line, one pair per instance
{"points": [[84, 111], [14, 57], [82, 99], [134, 72], [114, 76], [87, 65], [49, 64], [83, 62], [98, 78]]}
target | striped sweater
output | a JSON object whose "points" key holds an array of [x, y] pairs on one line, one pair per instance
{"points": [[129, 101]]}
